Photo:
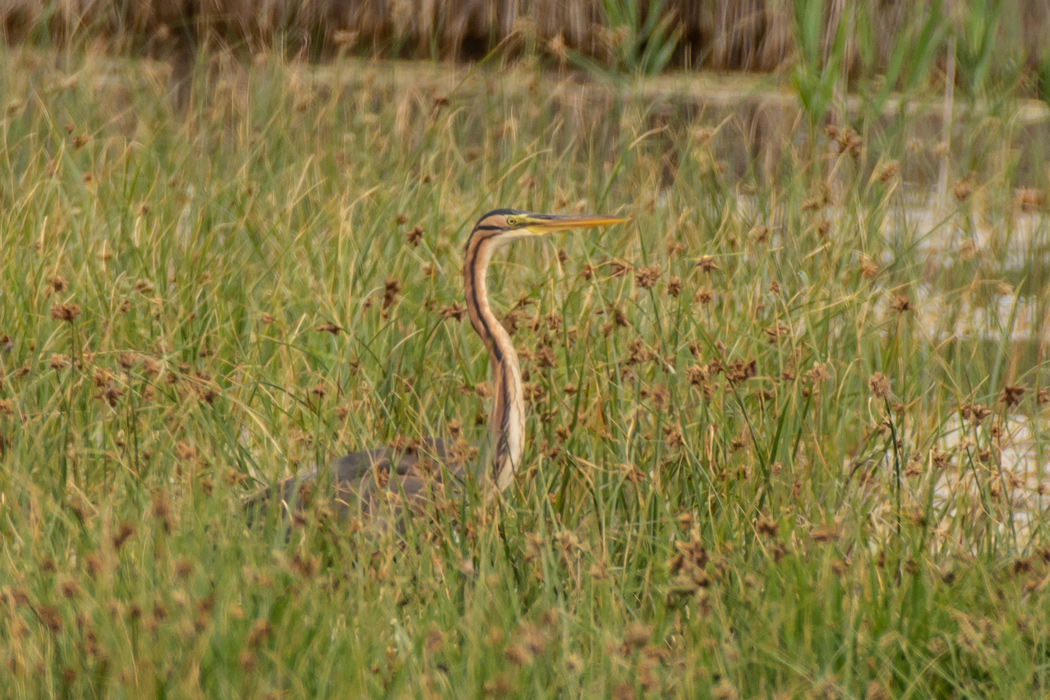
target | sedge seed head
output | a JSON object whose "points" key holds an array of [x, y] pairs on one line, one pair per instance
{"points": [[879, 385], [65, 312]]}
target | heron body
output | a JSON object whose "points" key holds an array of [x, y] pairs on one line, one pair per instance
{"points": [[363, 481]]}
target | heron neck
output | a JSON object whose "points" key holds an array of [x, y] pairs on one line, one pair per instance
{"points": [[506, 432]]}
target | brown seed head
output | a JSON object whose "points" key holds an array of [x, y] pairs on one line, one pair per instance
{"points": [[50, 618], [1011, 395], [151, 367], [646, 277], [673, 436], [65, 312], [124, 531], [849, 141], [455, 311], [185, 450], [816, 377], [885, 172], [329, 327], [900, 303], [393, 288], [159, 506], [183, 568], [674, 286], [639, 353], [773, 333], [415, 236], [517, 654], [879, 385], [69, 588], [824, 533], [697, 374], [767, 526], [974, 412], [739, 370], [112, 395], [706, 263], [759, 234]]}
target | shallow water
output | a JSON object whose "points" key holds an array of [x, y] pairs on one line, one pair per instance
{"points": [[1012, 488], [984, 279]]}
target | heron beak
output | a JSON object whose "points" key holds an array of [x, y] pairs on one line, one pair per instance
{"points": [[540, 224]]}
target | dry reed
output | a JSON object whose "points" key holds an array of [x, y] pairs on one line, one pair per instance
{"points": [[756, 35]]}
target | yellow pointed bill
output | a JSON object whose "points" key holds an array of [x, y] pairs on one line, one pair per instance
{"points": [[547, 223]]}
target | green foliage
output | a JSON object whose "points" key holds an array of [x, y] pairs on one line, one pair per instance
{"points": [[778, 433], [819, 67], [643, 41], [979, 52], [912, 53]]}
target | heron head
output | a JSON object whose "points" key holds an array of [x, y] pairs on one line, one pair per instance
{"points": [[512, 224]]}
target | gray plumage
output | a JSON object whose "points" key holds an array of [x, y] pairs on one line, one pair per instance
{"points": [[363, 484]]}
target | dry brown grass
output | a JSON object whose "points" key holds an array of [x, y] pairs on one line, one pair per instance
{"points": [[755, 35]]}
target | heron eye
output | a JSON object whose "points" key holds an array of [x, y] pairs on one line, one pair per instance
{"points": [[512, 221]]}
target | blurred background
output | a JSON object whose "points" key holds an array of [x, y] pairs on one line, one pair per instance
{"points": [[992, 40]]}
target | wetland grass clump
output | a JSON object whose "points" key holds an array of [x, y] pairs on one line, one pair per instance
{"points": [[789, 424]]}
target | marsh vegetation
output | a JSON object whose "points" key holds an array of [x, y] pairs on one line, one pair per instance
{"points": [[788, 424]]}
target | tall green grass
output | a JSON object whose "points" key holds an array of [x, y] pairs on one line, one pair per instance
{"points": [[721, 498]]}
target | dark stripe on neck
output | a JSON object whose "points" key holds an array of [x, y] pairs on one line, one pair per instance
{"points": [[482, 233], [472, 298]]}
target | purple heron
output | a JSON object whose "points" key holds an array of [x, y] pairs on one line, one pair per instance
{"points": [[362, 480]]}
